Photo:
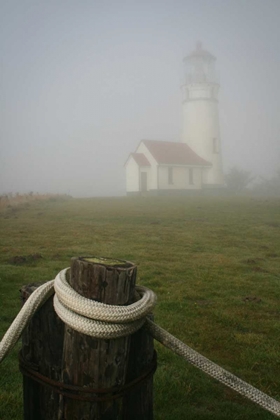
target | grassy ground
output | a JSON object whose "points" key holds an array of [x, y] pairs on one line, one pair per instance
{"points": [[213, 262]]}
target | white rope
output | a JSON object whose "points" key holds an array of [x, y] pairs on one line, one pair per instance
{"points": [[36, 299], [100, 311], [84, 315], [98, 319], [212, 369], [110, 321]]}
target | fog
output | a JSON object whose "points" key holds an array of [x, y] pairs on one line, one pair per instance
{"points": [[82, 82]]}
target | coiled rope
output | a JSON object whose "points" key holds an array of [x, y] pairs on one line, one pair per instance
{"points": [[84, 315], [98, 319], [109, 321]]}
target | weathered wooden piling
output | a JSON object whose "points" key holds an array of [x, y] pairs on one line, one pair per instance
{"points": [[68, 375], [40, 360]]}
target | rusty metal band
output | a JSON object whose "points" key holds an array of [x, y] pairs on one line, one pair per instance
{"points": [[78, 393]]}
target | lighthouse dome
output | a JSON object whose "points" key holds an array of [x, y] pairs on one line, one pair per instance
{"points": [[199, 52]]}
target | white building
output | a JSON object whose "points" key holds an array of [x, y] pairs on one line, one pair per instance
{"points": [[195, 163]]}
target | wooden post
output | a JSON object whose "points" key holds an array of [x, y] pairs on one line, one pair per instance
{"points": [[41, 352], [95, 379], [138, 403]]}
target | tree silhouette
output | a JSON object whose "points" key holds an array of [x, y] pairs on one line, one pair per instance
{"points": [[238, 179], [269, 187]]}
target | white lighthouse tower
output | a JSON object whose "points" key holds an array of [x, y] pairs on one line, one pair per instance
{"points": [[201, 129]]}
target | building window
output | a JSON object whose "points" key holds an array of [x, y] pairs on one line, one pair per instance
{"points": [[170, 175], [191, 176], [215, 146]]}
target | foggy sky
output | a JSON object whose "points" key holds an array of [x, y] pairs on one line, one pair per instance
{"points": [[82, 82]]}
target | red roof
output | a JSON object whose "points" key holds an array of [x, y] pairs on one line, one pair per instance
{"points": [[140, 159], [171, 153]]}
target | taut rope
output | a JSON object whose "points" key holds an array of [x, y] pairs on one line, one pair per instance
{"points": [[109, 321]]}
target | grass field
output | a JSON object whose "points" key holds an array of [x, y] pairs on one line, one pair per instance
{"points": [[213, 262]]}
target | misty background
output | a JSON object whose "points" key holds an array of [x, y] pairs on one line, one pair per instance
{"points": [[82, 82]]}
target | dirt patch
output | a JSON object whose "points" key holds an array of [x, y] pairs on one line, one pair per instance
{"points": [[204, 302], [21, 259], [264, 247], [254, 299], [254, 260], [273, 224], [260, 270], [56, 257], [17, 260]]}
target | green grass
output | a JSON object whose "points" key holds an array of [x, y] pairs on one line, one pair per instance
{"points": [[213, 263]]}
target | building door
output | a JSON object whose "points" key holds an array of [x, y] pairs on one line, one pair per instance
{"points": [[143, 181]]}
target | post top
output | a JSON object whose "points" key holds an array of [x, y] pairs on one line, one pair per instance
{"points": [[111, 262]]}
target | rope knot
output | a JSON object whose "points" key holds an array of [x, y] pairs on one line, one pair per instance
{"points": [[98, 319]]}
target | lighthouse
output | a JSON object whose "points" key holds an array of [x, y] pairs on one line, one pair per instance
{"points": [[201, 130], [194, 164]]}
